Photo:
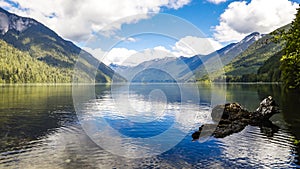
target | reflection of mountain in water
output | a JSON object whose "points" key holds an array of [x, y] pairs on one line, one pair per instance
{"points": [[29, 112], [153, 75]]}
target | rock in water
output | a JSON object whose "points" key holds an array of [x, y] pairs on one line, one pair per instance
{"points": [[233, 118], [196, 134], [267, 108]]}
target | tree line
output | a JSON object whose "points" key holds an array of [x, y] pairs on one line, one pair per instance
{"points": [[19, 67]]}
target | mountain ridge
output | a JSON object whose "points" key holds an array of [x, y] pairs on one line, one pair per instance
{"points": [[45, 45], [184, 68], [257, 62]]}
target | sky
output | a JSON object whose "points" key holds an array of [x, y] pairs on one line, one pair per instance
{"points": [[128, 32]]}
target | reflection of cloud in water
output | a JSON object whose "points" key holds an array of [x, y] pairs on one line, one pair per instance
{"points": [[140, 131], [70, 147], [187, 115], [191, 116]]}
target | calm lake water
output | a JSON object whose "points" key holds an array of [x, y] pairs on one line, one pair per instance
{"points": [[39, 127]]}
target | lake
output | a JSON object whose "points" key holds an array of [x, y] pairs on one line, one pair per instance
{"points": [[140, 126]]}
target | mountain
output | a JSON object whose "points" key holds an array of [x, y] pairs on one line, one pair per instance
{"points": [[116, 67], [269, 71], [168, 66], [226, 55], [43, 45], [259, 62], [183, 68]]}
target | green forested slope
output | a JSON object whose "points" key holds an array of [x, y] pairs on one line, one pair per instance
{"points": [[260, 62], [245, 66], [269, 71], [290, 61], [19, 67]]}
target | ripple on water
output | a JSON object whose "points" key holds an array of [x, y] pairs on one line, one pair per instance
{"points": [[254, 149], [64, 144], [69, 147]]}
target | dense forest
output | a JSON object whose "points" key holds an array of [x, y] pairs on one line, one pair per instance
{"points": [[19, 67], [290, 61]]}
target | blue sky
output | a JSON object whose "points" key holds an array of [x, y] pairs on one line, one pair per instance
{"points": [[201, 13], [220, 21], [206, 15]]}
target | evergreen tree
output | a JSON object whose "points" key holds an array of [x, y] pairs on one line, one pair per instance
{"points": [[290, 61]]}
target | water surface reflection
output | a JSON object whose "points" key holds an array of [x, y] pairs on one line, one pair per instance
{"points": [[39, 129]]}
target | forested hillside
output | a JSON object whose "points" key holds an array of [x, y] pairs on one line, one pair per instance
{"points": [[19, 67], [290, 61], [260, 62]]}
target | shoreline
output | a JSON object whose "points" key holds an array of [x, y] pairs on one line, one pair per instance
{"points": [[88, 84]]}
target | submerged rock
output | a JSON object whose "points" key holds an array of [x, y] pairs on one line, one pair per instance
{"points": [[232, 118]]}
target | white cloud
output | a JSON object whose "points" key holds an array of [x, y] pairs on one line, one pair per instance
{"points": [[146, 55], [126, 57], [264, 16], [187, 46], [76, 20], [130, 39], [216, 1], [190, 46], [162, 48], [97, 53], [4, 4], [116, 55]]}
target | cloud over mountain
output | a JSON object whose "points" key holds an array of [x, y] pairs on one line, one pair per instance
{"points": [[188, 46], [242, 18], [76, 20]]}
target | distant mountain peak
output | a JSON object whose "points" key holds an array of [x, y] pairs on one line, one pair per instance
{"points": [[254, 34], [243, 44], [10, 21], [116, 67], [252, 37]]}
